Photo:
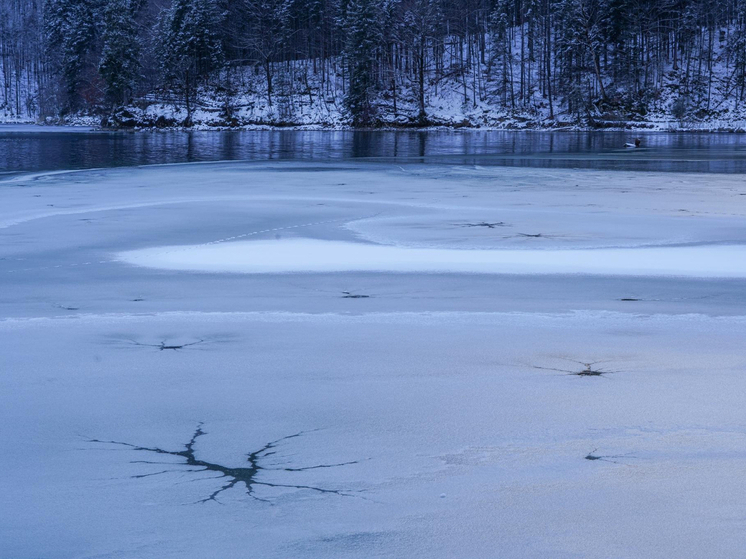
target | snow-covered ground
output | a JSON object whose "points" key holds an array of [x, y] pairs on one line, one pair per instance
{"points": [[588, 404], [304, 100]]}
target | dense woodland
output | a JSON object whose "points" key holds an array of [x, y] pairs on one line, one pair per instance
{"points": [[404, 62]]}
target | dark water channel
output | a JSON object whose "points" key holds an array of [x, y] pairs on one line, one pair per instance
{"points": [[31, 149]]}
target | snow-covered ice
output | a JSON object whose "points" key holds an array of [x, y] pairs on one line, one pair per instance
{"points": [[309, 255], [48, 128], [549, 403]]}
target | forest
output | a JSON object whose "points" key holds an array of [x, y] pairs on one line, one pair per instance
{"points": [[512, 63]]}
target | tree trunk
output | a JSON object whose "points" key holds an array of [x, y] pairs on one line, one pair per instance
{"points": [[268, 73]]}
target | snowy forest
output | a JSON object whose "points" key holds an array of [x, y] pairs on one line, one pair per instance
{"points": [[502, 63]]}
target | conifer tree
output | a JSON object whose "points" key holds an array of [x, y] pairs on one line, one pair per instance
{"points": [[120, 57], [363, 41], [190, 45], [70, 30], [421, 22], [502, 54]]}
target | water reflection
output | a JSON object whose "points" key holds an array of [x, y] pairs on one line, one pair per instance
{"points": [[719, 153]]}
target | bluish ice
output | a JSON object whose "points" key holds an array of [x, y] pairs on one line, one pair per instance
{"points": [[291, 360]]}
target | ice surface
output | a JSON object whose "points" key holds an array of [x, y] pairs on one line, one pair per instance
{"points": [[372, 414], [32, 128]]}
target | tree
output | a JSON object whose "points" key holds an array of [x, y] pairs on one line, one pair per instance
{"points": [[267, 26], [71, 32], [421, 20], [737, 49], [581, 36], [190, 45], [120, 57], [363, 42], [502, 52]]}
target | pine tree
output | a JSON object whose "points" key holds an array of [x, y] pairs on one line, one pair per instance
{"points": [[581, 42], [120, 57], [502, 51], [363, 41], [70, 30], [421, 22], [190, 45]]}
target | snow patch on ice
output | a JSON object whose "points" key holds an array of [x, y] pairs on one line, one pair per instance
{"points": [[312, 255]]}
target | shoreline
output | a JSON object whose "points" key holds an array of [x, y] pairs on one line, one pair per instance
{"points": [[94, 124], [736, 127]]}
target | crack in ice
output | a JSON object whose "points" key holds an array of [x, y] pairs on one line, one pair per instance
{"points": [[248, 475]]}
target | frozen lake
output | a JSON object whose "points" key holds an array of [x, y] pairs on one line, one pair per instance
{"points": [[323, 354]]}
